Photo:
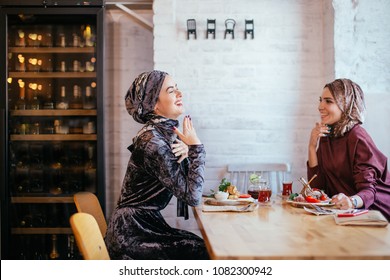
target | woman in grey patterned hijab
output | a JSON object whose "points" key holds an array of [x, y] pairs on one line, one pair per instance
{"points": [[137, 229]]}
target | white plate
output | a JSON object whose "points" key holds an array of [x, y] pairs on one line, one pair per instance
{"points": [[239, 201], [301, 204]]}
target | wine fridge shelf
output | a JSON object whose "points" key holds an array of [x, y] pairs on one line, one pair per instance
{"points": [[42, 199], [52, 50], [53, 137], [37, 75], [49, 113], [43, 230]]}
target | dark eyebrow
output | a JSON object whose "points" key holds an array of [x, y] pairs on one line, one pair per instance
{"points": [[326, 98], [168, 88], [171, 87]]}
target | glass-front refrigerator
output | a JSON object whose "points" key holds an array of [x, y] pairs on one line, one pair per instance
{"points": [[51, 115]]}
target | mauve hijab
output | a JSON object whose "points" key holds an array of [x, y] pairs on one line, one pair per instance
{"points": [[350, 99], [143, 94]]}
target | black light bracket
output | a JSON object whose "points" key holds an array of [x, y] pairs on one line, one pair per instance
{"points": [[211, 26], [249, 28], [229, 27], [191, 28]]}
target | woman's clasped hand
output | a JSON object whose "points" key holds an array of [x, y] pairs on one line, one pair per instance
{"points": [[342, 201]]}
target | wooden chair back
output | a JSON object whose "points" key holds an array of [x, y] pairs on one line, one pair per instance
{"points": [[238, 174], [87, 202], [88, 237]]}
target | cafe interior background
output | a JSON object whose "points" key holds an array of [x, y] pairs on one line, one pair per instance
{"points": [[251, 100]]}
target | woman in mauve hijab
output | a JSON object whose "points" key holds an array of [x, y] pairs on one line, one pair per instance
{"points": [[349, 166], [160, 166]]}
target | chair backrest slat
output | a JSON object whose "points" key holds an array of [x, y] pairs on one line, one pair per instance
{"points": [[273, 172], [87, 202], [88, 237]]}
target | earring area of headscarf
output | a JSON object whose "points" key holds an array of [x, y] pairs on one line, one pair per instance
{"points": [[349, 98]]}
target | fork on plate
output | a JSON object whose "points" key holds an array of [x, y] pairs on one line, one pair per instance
{"points": [[321, 210]]}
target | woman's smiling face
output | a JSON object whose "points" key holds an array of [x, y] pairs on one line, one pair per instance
{"points": [[169, 103], [329, 110]]}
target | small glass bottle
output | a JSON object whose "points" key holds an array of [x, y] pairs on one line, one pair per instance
{"points": [[35, 128], [62, 102], [21, 102], [48, 102], [89, 66], [57, 127], [21, 66], [21, 39], [60, 127], [76, 102], [63, 66], [76, 40], [62, 40], [89, 101], [35, 104], [23, 129], [71, 255], [89, 128], [76, 66], [54, 252], [88, 36]]}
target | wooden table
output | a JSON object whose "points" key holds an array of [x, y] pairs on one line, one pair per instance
{"points": [[281, 231]]}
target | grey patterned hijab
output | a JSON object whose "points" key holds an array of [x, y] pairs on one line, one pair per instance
{"points": [[143, 94], [350, 99]]}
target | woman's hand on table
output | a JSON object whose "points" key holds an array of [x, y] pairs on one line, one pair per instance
{"points": [[342, 201]]}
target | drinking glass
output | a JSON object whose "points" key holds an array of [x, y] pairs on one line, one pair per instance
{"points": [[287, 185], [265, 191]]}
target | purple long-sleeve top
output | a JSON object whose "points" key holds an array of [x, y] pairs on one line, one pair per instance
{"points": [[353, 165]]}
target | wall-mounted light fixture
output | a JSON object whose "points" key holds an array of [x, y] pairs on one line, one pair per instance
{"points": [[249, 28], [191, 28], [229, 27], [210, 28]]}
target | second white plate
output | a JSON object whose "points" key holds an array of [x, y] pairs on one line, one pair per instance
{"points": [[301, 204]]}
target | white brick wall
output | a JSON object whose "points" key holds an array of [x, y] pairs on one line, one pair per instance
{"points": [[362, 53], [251, 100], [328, 40], [256, 100]]}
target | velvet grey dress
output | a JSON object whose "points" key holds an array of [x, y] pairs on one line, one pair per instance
{"points": [[137, 229]]}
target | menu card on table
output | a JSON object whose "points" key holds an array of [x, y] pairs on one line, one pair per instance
{"points": [[371, 218]]}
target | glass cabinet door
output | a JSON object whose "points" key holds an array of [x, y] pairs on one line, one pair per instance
{"points": [[54, 124]]}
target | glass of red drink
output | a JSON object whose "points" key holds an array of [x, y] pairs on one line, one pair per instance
{"points": [[287, 188], [265, 192], [265, 195]]}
